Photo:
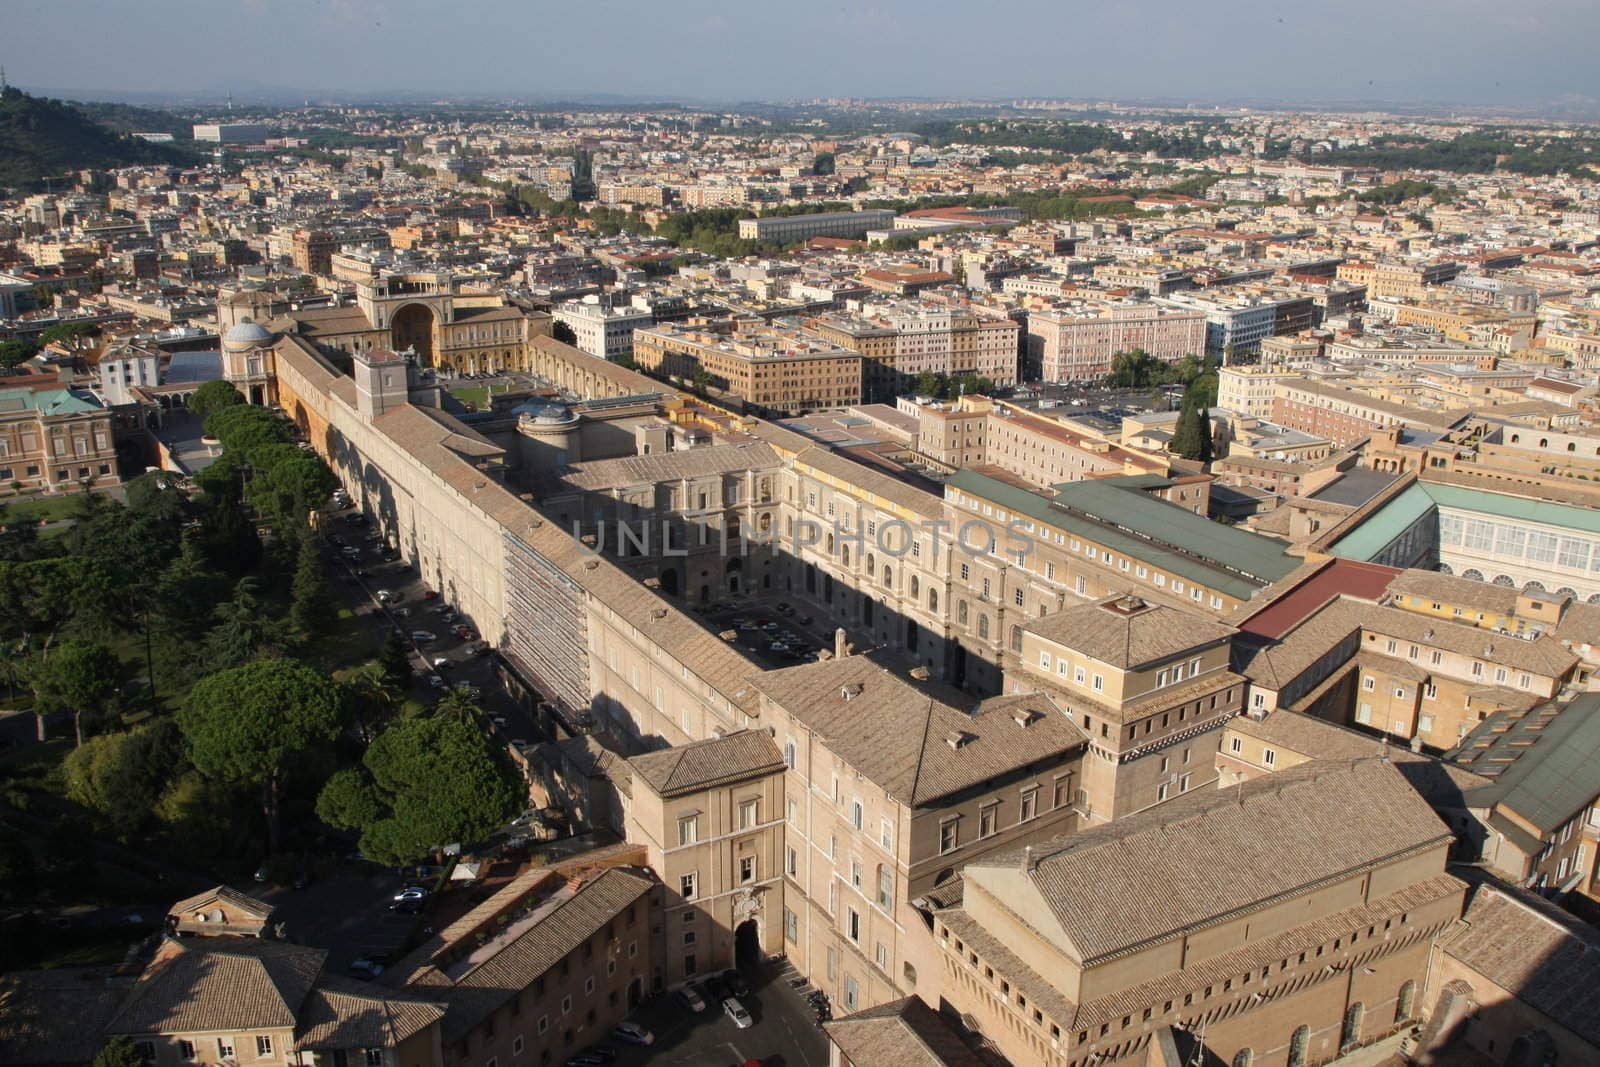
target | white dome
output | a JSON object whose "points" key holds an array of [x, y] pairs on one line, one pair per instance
{"points": [[247, 335]]}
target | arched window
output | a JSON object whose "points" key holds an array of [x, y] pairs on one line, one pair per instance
{"points": [[1572, 446], [1016, 639], [1297, 1046], [888, 577], [983, 626], [1544, 442], [916, 588], [844, 555], [1243, 1057], [933, 600], [872, 564], [961, 612], [1350, 1034], [1404, 1002]]}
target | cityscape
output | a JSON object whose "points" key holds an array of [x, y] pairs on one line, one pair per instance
{"points": [[706, 549]]}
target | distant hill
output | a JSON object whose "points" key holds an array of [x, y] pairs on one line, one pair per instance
{"points": [[126, 118], [42, 138]]}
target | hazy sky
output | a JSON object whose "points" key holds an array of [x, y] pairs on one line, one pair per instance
{"points": [[1465, 51]]}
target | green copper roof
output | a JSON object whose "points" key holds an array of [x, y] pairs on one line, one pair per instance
{"points": [[1146, 528], [46, 401], [1375, 533]]}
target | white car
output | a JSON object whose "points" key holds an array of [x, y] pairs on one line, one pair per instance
{"points": [[735, 1011], [386, 596]]}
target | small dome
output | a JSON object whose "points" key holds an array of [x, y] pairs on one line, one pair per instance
{"points": [[247, 334]]}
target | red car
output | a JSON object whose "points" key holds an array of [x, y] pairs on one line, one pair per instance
{"points": [[429, 594]]}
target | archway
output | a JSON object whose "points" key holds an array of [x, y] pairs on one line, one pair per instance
{"points": [[747, 944], [415, 327], [669, 582]]}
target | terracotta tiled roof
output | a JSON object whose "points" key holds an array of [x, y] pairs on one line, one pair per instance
{"points": [[1543, 957], [347, 1015], [226, 896], [706, 764], [224, 984], [918, 742], [50, 1018], [901, 1033], [1127, 632], [1153, 875]]}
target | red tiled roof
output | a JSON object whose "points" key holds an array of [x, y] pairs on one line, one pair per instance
{"points": [[1368, 581]]}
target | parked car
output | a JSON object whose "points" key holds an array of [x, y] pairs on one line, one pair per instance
{"points": [[365, 969], [689, 999], [633, 1034], [442, 663], [429, 594], [735, 1011], [735, 983], [411, 892], [436, 682], [387, 596], [423, 637], [406, 907]]}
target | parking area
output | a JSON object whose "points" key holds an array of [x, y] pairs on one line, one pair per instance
{"points": [[346, 913], [783, 1031], [446, 650], [777, 634]]}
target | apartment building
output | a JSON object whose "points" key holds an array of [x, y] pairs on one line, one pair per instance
{"points": [[893, 785], [769, 370], [1250, 390], [1397, 673], [54, 436], [313, 251], [1406, 281], [543, 967], [1324, 886], [1345, 415], [785, 229], [601, 328], [1537, 805], [1079, 341], [710, 815], [1237, 322]]}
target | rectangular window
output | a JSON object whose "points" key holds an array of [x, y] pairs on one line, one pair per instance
{"points": [[886, 835], [688, 884], [857, 814], [986, 820], [949, 836], [852, 924], [1030, 803], [689, 829], [749, 814], [885, 888], [791, 926], [747, 869], [1269, 757], [852, 994], [225, 1048], [185, 1049], [263, 1045], [1236, 745]]}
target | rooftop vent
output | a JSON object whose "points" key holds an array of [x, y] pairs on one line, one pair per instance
{"points": [[1025, 717], [1127, 605], [957, 738], [658, 613], [921, 674], [851, 691]]}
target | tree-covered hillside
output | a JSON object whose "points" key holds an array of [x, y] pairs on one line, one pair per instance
{"points": [[42, 138]]}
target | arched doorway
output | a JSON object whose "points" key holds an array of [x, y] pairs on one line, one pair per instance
{"points": [[747, 944], [414, 327]]}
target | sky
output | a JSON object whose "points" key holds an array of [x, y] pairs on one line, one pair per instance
{"points": [[1467, 52]]}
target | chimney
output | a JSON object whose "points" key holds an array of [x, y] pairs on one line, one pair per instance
{"points": [[841, 648], [1030, 858]]}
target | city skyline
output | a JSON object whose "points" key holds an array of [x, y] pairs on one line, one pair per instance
{"points": [[1477, 55]]}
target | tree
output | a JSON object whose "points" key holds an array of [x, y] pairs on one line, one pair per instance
{"points": [[456, 704], [1192, 437], [120, 1051], [213, 396], [246, 725], [67, 332], [313, 610], [76, 677], [243, 630], [564, 333], [395, 662], [14, 352], [122, 775], [423, 784], [823, 163]]}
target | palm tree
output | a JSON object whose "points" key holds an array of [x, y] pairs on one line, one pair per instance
{"points": [[372, 696], [457, 704]]}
